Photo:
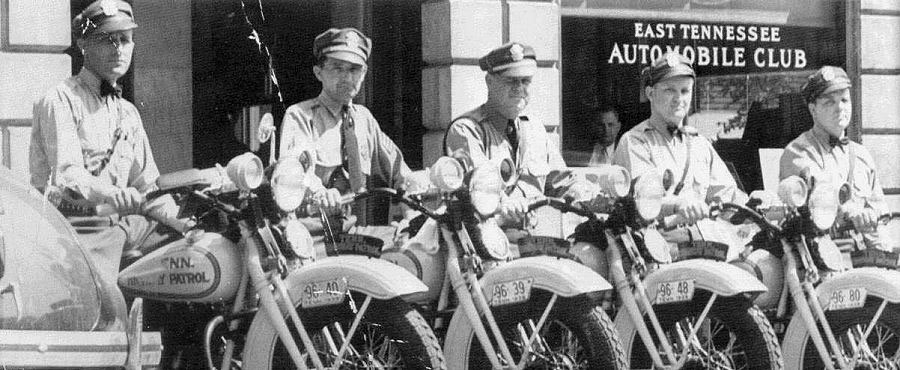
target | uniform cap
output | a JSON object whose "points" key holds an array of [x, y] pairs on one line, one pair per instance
{"points": [[347, 44], [670, 64], [827, 79], [512, 59], [105, 16]]}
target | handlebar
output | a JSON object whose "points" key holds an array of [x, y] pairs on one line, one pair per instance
{"points": [[394, 194], [883, 219], [561, 205]]}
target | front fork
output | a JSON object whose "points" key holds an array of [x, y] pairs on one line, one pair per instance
{"points": [[265, 284], [810, 310], [631, 298], [474, 304]]}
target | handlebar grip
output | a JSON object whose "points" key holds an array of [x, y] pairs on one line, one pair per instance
{"points": [[671, 221]]}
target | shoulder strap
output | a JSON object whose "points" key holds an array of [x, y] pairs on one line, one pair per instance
{"points": [[687, 164], [851, 163], [447, 131]]}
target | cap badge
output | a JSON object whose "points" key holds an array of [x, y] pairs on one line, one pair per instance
{"points": [[109, 7], [672, 60], [827, 75], [516, 52]]}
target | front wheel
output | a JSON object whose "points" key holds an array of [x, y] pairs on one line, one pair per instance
{"points": [[880, 350], [391, 335], [734, 335], [577, 334]]}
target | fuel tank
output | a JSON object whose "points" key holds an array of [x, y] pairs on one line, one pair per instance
{"points": [[202, 267], [422, 257]]}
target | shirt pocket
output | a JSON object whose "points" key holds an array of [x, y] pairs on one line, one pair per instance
{"points": [[535, 155]]}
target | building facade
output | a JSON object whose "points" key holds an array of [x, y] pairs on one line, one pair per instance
{"points": [[200, 81]]}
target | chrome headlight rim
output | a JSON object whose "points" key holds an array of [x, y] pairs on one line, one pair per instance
{"points": [[288, 184], [823, 205], [793, 191], [648, 193], [245, 171], [486, 187], [447, 174]]}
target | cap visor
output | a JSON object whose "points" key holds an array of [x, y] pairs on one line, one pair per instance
{"points": [[347, 56], [523, 68], [114, 24], [837, 86]]}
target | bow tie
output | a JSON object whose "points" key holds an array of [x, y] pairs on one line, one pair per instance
{"points": [[107, 89], [676, 131], [835, 142]]}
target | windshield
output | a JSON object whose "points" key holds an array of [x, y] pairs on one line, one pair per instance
{"points": [[46, 282]]}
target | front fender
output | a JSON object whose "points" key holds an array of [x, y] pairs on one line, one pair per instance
{"points": [[561, 276], [879, 282], [717, 277], [377, 278]]}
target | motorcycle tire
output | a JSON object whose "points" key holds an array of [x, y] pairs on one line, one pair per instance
{"points": [[742, 336], [575, 324], [884, 340], [386, 324]]}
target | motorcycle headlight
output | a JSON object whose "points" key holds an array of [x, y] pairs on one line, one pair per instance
{"points": [[299, 240], [614, 180], [792, 191], [245, 171], [648, 194], [495, 241], [288, 187], [823, 205], [485, 187], [447, 174]]}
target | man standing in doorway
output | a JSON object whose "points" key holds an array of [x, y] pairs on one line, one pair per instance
{"points": [[606, 129]]}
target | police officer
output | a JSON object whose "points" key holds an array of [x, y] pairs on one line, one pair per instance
{"points": [[345, 142], [664, 142], [826, 151], [497, 129], [88, 144]]}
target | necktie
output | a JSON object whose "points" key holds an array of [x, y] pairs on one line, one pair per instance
{"points": [[674, 131], [107, 89], [835, 142], [513, 136], [350, 150]]}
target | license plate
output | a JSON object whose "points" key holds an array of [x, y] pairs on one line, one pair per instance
{"points": [[674, 291], [847, 298], [323, 293], [510, 292]]}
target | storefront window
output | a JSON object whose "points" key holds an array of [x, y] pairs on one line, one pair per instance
{"points": [[751, 58]]}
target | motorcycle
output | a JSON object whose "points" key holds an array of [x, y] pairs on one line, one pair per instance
{"points": [[537, 311], [54, 310], [694, 312], [247, 262], [838, 318]]}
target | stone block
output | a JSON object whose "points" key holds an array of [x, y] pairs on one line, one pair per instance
{"points": [[432, 147], [39, 25], [26, 77], [891, 5], [544, 104], [449, 91], [885, 149], [19, 140], [879, 101], [878, 41], [457, 29], [536, 24]]}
